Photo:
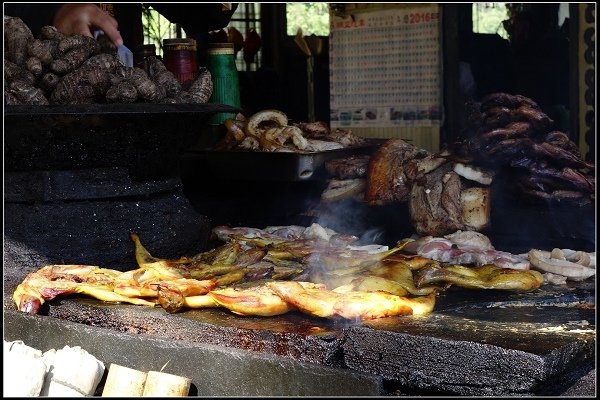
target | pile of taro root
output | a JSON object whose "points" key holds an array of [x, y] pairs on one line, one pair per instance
{"points": [[57, 69]]}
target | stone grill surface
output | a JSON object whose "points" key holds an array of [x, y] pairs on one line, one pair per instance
{"points": [[472, 344], [72, 210]]}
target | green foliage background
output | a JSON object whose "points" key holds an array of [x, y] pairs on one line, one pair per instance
{"points": [[488, 17], [313, 18], [156, 28]]}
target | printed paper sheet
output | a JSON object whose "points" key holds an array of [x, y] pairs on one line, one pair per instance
{"points": [[385, 68]]}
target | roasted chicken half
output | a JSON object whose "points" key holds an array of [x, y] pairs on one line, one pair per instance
{"points": [[52, 281], [353, 305], [487, 276]]}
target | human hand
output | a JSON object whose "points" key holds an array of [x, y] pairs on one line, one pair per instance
{"points": [[80, 18]]}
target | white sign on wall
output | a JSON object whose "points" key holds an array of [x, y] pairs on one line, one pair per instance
{"points": [[386, 68]]}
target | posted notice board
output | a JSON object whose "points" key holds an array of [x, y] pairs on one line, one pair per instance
{"points": [[386, 66]]}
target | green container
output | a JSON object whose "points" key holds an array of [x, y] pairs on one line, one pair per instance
{"points": [[226, 87]]}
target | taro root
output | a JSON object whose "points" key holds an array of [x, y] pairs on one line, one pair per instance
{"points": [[201, 89], [48, 82], [74, 50], [44, 50], [122, 92], [13, 72], [77, 69], [17, 36], [27, 93], [163, 77], [82, 86], [34, 65]]}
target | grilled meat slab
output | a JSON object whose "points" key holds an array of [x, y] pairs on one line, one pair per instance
{"points": [[386, 178], [349, 167]]}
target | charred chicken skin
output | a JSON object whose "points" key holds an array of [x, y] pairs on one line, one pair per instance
{"points": [[52, 281], [313, 272]]}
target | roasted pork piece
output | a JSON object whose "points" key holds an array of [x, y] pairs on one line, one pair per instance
{"points": [[435, 206], [440, 203], [348, 178], [465, 248], [386, 179], [319, 131], [351, 167], [340, 189]]}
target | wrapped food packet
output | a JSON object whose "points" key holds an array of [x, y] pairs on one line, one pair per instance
{"points": [[72, 372], [124, 382], [24, 370]]}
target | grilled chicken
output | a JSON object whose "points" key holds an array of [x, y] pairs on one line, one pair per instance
{"points": [[485, 277], [353, 305], [52, 281], [257, 299], [280, 269]]}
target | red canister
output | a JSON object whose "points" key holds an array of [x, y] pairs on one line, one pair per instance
{"points": [[179, 56]]}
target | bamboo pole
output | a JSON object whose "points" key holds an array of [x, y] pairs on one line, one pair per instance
{"points": [[122, 381], [168, 385]]}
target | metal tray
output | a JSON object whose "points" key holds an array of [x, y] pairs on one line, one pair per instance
{"points": [[268, 166]]}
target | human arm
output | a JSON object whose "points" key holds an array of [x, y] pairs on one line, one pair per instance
{"points": [[83, 18]]}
